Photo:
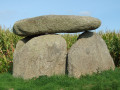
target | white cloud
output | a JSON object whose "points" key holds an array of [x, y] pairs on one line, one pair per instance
{"points": [[85, 13]]}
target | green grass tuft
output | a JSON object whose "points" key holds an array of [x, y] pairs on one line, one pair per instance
{"points": [[107, 80]]}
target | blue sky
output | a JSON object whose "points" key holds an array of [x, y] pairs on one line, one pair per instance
{"points": [[108, 11]]}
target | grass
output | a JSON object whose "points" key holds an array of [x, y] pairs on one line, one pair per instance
{"points": [[107, 80]]}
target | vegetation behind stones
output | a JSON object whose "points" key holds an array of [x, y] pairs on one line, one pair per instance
{"points": [[8, 41]]}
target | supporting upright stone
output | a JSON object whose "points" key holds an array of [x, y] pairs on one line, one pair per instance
{"points": [[42, 55], [89, 54]]}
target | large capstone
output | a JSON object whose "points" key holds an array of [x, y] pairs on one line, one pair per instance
{"points": [[55, 24]]}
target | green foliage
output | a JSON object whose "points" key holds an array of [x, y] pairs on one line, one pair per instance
{"points": [[107, 80], [112, 40], [8, 42], [70, 39]]}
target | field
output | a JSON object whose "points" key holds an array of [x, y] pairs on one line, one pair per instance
{"points": [[108, 80]]}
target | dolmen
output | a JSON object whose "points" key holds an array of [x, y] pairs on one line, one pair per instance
{"points": [[43, 52]]}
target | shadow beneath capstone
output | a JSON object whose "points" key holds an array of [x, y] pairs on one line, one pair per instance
{"points": [[85, 34], [26, 39]]}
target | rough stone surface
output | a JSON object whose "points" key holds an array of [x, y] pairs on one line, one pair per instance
{"points": [[55, 24], [89, 54], [42, 55]]}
